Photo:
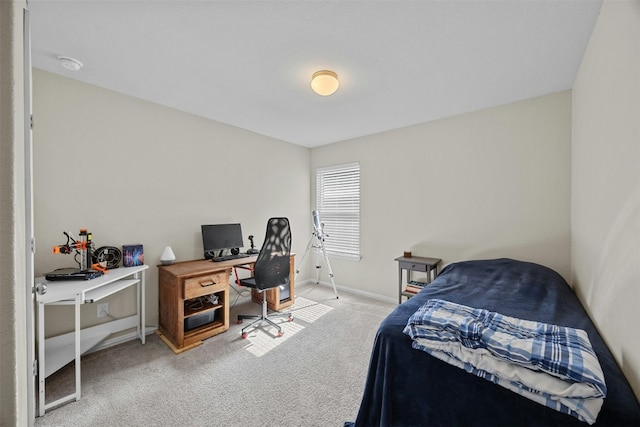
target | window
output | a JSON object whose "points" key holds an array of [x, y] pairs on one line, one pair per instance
{"points": [[338, 203]]}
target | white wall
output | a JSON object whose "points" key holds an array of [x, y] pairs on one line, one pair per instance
{"points": [[131, 171], [493, 183], [13, 339], [606, 182]]}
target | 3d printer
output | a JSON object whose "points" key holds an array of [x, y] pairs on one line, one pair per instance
{"points": [[82, 249]]}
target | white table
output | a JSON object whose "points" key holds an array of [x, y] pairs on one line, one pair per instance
{"points": [[54, 353]]}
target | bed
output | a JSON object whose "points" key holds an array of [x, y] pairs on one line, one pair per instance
{"points": [[409, 387]]}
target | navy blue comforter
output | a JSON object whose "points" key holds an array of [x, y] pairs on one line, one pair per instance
{"points": [[407, 387]]}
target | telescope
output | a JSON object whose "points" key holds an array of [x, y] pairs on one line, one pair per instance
{"points": [[319, 236], [317, 225]]}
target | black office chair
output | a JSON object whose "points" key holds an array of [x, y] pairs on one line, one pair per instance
{"points": [[271, 269]]}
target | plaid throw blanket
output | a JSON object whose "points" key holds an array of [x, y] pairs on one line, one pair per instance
{"points": [[551, 365]]}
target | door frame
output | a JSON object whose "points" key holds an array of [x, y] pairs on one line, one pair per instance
{"points": [[29, 227]]}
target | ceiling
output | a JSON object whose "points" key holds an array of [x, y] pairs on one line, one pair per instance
{"points": [[249, 63]]}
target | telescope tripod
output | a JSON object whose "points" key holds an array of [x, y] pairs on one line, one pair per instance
{"points": [[318, 246]]}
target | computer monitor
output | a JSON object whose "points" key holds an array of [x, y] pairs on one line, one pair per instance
{"points": [[218, 237]]}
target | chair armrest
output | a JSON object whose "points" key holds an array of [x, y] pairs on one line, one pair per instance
{"points": [[244, 267]]}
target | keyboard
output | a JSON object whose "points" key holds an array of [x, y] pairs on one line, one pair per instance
{"points": [[228, 257]]}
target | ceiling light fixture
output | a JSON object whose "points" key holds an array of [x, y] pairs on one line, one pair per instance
{"points": [[70, 63], [324, 82]]}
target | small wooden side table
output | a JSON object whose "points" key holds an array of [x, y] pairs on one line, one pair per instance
{"points": [[415, 263]]}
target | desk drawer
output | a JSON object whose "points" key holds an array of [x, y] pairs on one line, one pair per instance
{"points": [[206, 284], [413, 266]]}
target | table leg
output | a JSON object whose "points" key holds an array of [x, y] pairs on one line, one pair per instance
{"points": [[77, 339], [399, 284], [142, 307], [41, 382]]}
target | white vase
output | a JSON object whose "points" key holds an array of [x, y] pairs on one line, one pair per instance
{"points": [[168, 257]]}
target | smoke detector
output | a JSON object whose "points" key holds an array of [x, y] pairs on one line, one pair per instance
{"points": [[70, 64]]}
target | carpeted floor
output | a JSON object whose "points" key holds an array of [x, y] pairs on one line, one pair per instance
{"points": [[312, 376]]}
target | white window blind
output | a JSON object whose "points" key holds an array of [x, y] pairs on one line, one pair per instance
{"points": [[338, 203]]}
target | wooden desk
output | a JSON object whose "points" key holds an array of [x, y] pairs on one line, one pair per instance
{"points": [[183, 281], [56, 352]]}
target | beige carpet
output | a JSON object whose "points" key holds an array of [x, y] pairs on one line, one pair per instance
{"points": [[312, 376]]}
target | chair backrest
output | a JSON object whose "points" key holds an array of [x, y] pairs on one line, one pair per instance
{"points": [[272, 266]]}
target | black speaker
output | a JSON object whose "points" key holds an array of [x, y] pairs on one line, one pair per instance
{"points": [[198, 320]]}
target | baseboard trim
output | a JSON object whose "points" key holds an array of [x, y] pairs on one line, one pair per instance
{"points": [[350, 290], [110, 342]]}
